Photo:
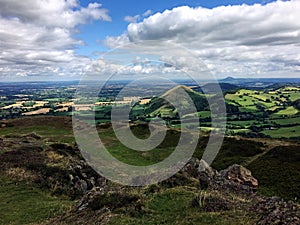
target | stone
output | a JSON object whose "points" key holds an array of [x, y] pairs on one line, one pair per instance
{"points": [[240, 175], [204, 167], [33, 135]]}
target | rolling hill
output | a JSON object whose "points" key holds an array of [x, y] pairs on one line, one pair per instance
{"points": [[164, 105]]}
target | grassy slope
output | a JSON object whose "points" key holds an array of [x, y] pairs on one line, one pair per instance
{"points": [[279, 171], [174, 206], [22, 203], [57, 129], [164, 205], [286, 132], [159, 106]]}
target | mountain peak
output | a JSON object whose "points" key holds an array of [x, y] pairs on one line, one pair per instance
{"points": [[229, 79], [174, 89]]}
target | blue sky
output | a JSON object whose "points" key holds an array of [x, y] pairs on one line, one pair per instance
{"points": [[65, 39], [96, 31]]}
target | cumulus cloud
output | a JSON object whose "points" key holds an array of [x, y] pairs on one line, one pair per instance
{"points": [[265, 38], [103, 69], [36, 36], [136, 18], [132, 19], [147, 13]]}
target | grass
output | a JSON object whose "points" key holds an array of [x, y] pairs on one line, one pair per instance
{"points": [[58, 129], [291, 88], [278, 172], [248, 108], [174, 206], [284, 132], [232, 151], [248, 99], [201, 114], [261, 96], [288, 121], [236, 131], [243, 123], [43, 130], [139, 158], [24, 204], [294, 96], [288, 111], [245, 100]]}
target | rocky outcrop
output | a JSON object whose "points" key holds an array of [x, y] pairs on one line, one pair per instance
{"points": [[234, 178], [238, 179], [110, 198], [61, 169], [276, 211], [240, 175], [57, 167]]}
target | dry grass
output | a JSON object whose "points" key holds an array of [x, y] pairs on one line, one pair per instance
{"points": [[37, 112], [20, 174]]}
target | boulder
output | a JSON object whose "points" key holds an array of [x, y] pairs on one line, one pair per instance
{"points": [[204, 167], [200, 170], [240, 175], [195, 167]]}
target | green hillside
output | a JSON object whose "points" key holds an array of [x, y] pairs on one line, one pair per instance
{"points": [[42, 179], [159, 106], [251, 113]]}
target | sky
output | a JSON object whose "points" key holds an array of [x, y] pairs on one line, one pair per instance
{"points": [[66, 39]]}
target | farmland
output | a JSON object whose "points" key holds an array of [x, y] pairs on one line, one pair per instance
{"points": [[251, 112], [270, 112]]}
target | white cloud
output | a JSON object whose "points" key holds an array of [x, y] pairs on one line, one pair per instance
{"points": [[136, 18], [115, 66], [242, 39], [147, 13], [53, 13], [132, 19], [36, 36]]}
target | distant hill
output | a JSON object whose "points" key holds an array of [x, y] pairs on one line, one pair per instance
{"points": [[160, 106], [259, 82], [228, 79], [225, 87]]}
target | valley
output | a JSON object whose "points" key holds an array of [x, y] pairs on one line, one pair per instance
{"points": [[271, 111]]}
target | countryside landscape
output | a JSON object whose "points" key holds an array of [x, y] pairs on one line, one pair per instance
{"points": [[137, 112], [44, 172], [252, 111]]}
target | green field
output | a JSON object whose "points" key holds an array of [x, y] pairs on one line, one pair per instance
{"points": [[284, 132], [60, 131], [288, 111], [288, 121], [24, 204], [268, 109]]}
